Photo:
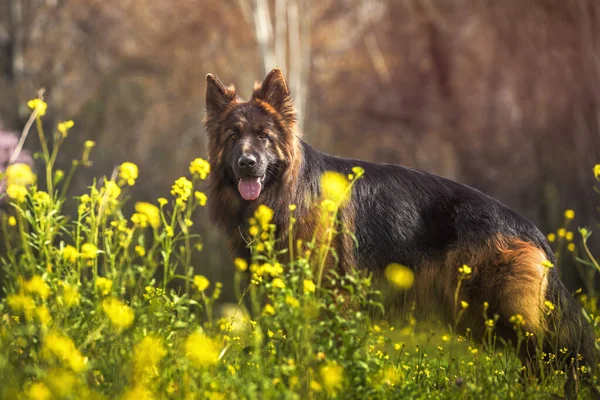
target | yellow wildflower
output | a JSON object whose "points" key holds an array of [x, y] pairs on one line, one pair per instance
{"points": [[111, 190], [70, 294], [571, 247], [64, 126], [70, 254], [19, 174], [89, 250], [547, 264], [63, 348], [569, 214], [41, 198], [37, 285], [358, 171], [16, 192], [292, 301], [517, 320], [464, 305], [264, 216], [39, 391], [12, 221], [43, 315], [151, 212], [309, 286], [103, 285], [140, 220], [332, 375], [128, 172], [120, 315], [21, 303], [551, 237], [402, 277], [391, 376], [315, 386], [201, 350], [292, 207], [147, 355], [597, 170], [569, 236], [201, 167], [201, 282], [138, 392], [162, 201], [278, 283], [241, 264], [465, 270], [182, 189], [89, 144], [561, 232], [38, 105], [549, 305], [335, 187], [269, 310], [201, 197], [140, 250]]}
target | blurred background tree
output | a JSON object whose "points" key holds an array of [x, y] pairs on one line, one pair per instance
{"points": [[503, 96]]}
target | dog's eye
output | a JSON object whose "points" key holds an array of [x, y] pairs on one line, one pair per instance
{"points": [[262, 136], [233, 136]]}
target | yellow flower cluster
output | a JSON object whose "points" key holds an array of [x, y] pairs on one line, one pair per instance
{"points": [[18, 177], [201, 350], [241, 264], [111, 190], [62, 348], [334, 187], [332, 375], [37, 286], [597, 170], [264, 216], [146, 214], [22, 304], [63, 127], [517, 320], [273, 270], [201, 167], [309, 286], [39, 391], [38, 105], [89, 251], [128, 172], [120, 315], [70, 254], [201, 198], [147, 355], [201, 282], [70, 294], [402, 277], [182, 189]]}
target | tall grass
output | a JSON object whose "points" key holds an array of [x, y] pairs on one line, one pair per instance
{"points": [[89, 309]]}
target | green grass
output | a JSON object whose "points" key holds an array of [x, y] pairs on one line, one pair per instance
{"points": [[90, 311]]}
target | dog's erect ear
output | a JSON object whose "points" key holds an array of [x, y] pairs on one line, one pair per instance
{"points": [[218, 97], [275, 92]]}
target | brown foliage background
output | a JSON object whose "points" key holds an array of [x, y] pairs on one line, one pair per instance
{"points": [[503, 96]]}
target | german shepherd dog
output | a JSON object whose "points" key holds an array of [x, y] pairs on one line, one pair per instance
{"points": [[398, 214]]}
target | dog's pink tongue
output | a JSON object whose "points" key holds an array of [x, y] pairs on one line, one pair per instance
{"points": [[249, 188]]}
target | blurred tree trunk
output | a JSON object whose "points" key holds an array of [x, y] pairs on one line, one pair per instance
{"points": [[284, 42]]}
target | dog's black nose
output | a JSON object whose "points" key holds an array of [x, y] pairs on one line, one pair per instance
{"points": [[247, 161]]}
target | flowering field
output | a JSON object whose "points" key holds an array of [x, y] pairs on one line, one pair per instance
{"points": [[107, 305]]}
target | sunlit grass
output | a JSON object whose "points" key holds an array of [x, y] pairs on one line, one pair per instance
{"points": [[89, 310]]}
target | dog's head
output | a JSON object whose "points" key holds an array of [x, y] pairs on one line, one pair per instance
{"points": [[251, 143]]}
